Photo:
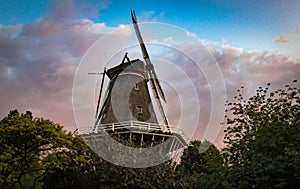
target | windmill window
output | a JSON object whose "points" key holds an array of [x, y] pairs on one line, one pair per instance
{"points": [[136, 86], [139, 110]]}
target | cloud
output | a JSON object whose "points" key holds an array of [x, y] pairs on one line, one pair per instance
{"points": [[292, 44], [64, 11], [189, 34], [75, 9], [238, 67], [150, 16], [38, 62], [281, 39], [288, 38]]}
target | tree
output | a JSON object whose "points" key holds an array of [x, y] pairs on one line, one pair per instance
{"points": [[98, 173], [160, 176], [36, 153], [202, 165], [31, 148], [263, 139]]}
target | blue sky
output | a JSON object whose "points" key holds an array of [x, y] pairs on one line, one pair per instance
{"points": [[252, 25]]}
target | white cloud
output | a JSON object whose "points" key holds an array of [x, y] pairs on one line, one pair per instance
{"points": [[239, 68], [281, 39], [39, 60], [189, 34]]}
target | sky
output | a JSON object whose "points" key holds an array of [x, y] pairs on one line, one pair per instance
{"points": [[43, 42]]}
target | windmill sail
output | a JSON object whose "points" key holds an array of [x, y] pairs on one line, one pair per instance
{"points": [[146, 56], [100, 93], [154, 82]]}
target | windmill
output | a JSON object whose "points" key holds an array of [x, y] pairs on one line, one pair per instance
{"points": [[127, 112]]}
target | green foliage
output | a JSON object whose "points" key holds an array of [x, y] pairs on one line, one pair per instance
{"points": [[30, 148], [160, 176], [202, 165], [98, 173], [192, 161], [36, 153], [263, 139]]}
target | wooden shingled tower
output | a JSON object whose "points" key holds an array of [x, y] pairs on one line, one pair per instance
{"points": [[126, 112]]}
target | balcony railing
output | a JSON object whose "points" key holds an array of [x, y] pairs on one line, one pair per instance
{"points": [[134, 126]]}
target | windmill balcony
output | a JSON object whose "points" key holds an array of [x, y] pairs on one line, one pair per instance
{"points": [[138, 127]]}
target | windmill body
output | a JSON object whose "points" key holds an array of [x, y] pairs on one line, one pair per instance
{"points": [[127, 112], [128, 97]]}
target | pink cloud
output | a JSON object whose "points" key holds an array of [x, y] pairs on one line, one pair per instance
{"points": [[39, 61], [239, 68], [281, 39]]}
